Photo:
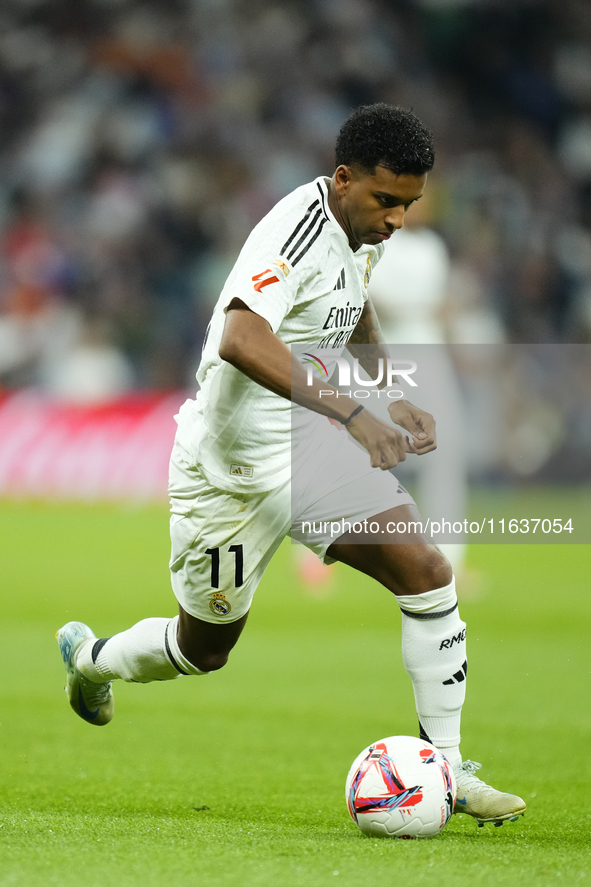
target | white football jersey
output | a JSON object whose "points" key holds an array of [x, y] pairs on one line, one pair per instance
{"points": [[297, 271]]}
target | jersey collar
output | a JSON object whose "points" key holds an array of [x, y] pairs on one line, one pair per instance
{"points": [[322, 184]]}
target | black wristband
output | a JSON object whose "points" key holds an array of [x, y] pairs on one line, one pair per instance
{"points": [[353, 414]]}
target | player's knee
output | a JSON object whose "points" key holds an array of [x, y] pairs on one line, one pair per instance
{"points": [[436, 569], [427, 570], [209, 661], [202, 657]]}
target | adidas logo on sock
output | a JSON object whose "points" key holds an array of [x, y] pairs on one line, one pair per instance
{"points": [[340, 284], [459, 676]]}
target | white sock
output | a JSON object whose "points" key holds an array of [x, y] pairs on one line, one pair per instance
{"points": [[434, 655], [148, 651]]}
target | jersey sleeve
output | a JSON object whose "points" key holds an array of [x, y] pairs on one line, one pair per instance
{"points": [[275, 261], [267, 290]]}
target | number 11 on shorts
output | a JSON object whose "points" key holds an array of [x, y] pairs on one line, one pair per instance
{"points": [[238, 553]]}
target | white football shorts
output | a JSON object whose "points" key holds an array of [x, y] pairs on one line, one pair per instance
{"points": [[221, 542]]}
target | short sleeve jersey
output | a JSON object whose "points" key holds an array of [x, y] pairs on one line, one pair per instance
{"points": [[297, 271]]}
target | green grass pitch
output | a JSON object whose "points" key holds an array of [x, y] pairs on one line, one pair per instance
{"points": [[237, 778]]}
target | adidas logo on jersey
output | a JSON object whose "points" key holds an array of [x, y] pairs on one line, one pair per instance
{"points": [[242, 470], [340, 284]]}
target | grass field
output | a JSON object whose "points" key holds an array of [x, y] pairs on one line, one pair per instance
{"points": [[237, 778]]}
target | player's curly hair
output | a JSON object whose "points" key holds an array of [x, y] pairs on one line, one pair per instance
{"points": [[385, 135]]}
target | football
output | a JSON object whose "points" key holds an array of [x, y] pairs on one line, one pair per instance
{"points": [[401, 787]]}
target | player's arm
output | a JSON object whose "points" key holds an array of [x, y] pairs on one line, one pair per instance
{"points": [[420, 423], [250, 345], [368, 332]]}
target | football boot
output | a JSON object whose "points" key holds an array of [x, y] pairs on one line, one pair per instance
{"points": [[482, 801], [92, 702]]}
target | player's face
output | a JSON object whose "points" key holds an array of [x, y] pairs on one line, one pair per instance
{"points": [[370, 208]]}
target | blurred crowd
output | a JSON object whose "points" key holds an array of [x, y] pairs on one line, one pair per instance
{"points": [[141, 141]]}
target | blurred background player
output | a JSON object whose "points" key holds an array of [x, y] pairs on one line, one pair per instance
{"points": [[410, 289]]}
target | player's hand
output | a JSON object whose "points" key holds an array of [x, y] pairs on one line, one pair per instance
{"points": [[385, 445], [420, 424]]}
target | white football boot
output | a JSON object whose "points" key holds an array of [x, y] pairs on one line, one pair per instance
{"points": [[481, 801], [92, 702]]}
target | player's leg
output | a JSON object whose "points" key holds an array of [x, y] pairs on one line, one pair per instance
{"points": [[221, 545], [339, 504], [205, 645], [433, 635], [433, 648], [151, 650], [160, 649], [344, 492]]}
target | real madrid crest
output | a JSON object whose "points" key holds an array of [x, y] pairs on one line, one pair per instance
{"points": [[219, 605], [367, 275]]}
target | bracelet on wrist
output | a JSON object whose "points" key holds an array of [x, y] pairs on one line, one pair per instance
{"points": [[353, 414]]}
